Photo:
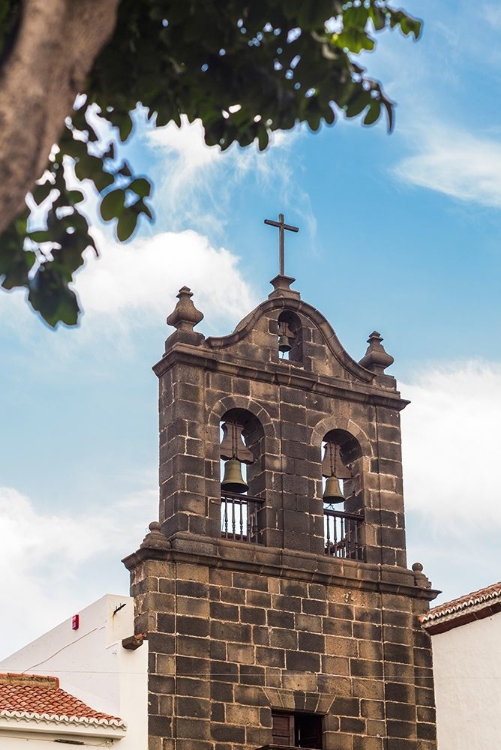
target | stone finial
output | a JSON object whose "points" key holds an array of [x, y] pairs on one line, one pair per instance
{"points": [[184, 318], [420, 579], [155, 539], [185, 315], [376, 359]]}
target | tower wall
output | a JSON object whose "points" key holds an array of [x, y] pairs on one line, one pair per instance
{"points": [[242, 631]]}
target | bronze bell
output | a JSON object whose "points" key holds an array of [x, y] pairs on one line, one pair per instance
{"points": [[333, 492], [233, 481], [284, 344]]}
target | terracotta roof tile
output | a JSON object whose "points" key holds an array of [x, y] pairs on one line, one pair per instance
{"points": [[23, 695], [474, 606]]}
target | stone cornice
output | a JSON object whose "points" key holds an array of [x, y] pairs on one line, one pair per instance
{"points": [[271, 561], [282, 373]]}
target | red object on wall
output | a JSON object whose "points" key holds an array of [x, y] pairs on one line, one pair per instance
{"points": [[75, 622]]}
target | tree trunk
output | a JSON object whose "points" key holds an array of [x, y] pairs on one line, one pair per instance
{"points": [[56, 45]]}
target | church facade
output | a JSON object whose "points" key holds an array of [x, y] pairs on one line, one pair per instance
{"points": [[274, 589]]}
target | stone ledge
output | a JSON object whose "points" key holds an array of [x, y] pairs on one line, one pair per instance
{"points": [[272, 372], [274, 561]]}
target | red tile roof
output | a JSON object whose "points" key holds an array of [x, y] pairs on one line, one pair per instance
{"points": [[32, 696], [474, 606]]}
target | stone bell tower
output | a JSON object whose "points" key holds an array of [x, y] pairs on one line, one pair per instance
{"points": [[274, 590]]}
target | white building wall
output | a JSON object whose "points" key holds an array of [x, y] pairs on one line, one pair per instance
{"points": [[92, 665], [35, 736], [30, 742], [467, 669]]}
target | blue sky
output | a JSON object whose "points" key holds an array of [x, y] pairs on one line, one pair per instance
{"points": [[399, 233]]}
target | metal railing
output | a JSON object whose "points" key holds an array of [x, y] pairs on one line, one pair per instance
{"points": [[239, 517], [342, 534]]}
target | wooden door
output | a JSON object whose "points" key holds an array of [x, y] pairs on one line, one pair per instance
{"points": [[283, 729]]}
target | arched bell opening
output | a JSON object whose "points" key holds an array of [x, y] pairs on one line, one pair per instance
{"points": [[242, 477], [341, 468], [290, 344], [342, 494]]}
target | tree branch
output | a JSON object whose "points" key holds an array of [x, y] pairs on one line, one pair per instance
{"points": [[56, 45]]}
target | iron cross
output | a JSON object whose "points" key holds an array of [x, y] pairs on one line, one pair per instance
{"points": [[281, 232]]}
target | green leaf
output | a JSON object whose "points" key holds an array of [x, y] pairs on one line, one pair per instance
{"points": [[91, 167], [141, 187], [112, 205], [93, 136], [69, 257], [41, 192], [125, 170], [262, 138], [16, 270], [78, 118], [51, 296], [378, 17], [102, 180], [329, 115], [146, 210], [388, 105], [355, 40], [126, 225], [75, 196], [40, 236], [125, 127], [373, 113], [411, 25], [357, 103], [15, 261], [355, 17], [75, 148], [80, 170], [312, 15]]}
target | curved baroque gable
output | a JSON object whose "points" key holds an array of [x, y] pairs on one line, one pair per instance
{"points": [[321, 352]]}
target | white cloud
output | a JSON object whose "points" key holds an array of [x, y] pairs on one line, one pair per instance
{"points": [[492, 14], [53, 565], [452, 444], [134, 286], [451, 449], [454, 162], [195, 184], [187, 145], [444, 118], [137, 283]]}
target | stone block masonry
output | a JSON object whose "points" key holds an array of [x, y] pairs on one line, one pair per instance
{"points": [[232, 640], [283, 630]]}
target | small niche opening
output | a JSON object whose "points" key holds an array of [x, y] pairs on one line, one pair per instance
{"points": [[290, 345]]}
